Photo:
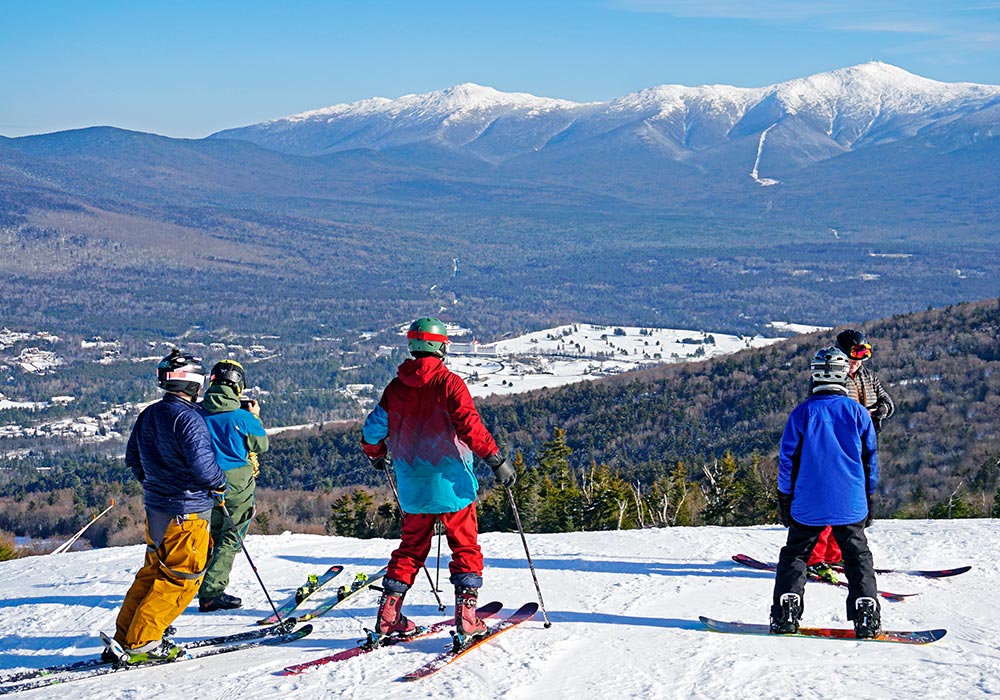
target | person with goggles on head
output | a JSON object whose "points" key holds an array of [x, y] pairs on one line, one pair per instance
{"points": [[864, 386]]}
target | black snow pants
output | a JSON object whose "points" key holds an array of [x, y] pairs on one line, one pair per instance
{"points": [[791, 574]]}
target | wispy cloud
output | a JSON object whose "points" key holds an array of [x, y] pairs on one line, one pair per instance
{"points": [[954, 19]]}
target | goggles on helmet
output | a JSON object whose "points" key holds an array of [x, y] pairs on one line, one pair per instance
{"points": [[861, 351], [424, 335]]}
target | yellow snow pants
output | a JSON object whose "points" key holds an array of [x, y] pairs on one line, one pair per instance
{"points": [[169, 578]]}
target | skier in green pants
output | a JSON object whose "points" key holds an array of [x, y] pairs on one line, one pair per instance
{"points": [[237, 437]]}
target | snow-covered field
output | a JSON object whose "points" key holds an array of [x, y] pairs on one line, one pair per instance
{"points": [[624, 608], [582, 351]]}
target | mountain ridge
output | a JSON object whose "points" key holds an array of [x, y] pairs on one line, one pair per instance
{"points": [[851, 107]]}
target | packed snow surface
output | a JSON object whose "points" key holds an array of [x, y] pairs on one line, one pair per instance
{"points": [[624, 608]]}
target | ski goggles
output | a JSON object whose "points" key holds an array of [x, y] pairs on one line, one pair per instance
{"points": [[861, 351]]}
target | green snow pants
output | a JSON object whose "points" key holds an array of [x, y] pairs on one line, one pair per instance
{"points": [[239, 502]]}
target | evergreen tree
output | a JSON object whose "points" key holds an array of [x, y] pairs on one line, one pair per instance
{"points": [[757, 502], [559, 494], [723, 492]]}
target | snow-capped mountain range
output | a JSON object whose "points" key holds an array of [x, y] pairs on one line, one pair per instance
{"points": [[781, 126]]}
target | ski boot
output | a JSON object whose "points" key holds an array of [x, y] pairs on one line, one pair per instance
{"points": [[390, 623], [157, 651], [109, 656], [867, 618], [223, 601], [468, 627], [785, 616]]}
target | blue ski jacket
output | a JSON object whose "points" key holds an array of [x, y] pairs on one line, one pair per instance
{"points": [[828, 460], [170, 453], [235, 431]]}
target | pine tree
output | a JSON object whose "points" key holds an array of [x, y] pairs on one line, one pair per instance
{"points": [[723, 491], [679, 507], [560, 498]]}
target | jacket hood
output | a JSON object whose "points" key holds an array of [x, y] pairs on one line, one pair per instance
{"points": [[420, 371], [220, 398]]}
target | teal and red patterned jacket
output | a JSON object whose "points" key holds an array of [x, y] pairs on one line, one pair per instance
{"points": [[432, 428]]}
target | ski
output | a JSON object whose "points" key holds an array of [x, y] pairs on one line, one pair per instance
{"points": [[921, 637], [525, 613], [770, 566], [485, 612], [312, 584], [70, 675], [238, 637], [360, 583], [932, 573]]}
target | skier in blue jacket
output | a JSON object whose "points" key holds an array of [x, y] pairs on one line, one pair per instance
{"points": [[827, 472], [237, 437]]}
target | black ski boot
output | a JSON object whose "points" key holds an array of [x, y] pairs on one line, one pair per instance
{"points": [[785, 616], [867, 618], [223, 601]]}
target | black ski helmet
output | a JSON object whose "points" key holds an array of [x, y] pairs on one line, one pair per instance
{"points": [[181, 372], [230, 373], [854, 344]]}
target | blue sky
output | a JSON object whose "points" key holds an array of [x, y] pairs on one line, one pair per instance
{"points": [[187, 69]]}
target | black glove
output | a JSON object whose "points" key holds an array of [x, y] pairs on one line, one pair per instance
{"points": [[785, 508], [871, 513], [502, 472], [379, 463]]}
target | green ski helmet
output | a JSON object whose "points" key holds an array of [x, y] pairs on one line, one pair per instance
{"points": [[427, 335]]}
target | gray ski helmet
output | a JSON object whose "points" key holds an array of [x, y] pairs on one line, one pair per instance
{"points": [[180, 372], [829, 367], [428, 335]]}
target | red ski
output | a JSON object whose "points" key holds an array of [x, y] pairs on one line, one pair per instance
{"points": [[485, 612], [768, 566], [926, 573], [525, 613]]}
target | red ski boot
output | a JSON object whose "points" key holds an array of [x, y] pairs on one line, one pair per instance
{"points": [[467, 625], [390, 620]]}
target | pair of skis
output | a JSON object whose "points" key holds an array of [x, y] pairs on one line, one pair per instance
{"points": [[315, 583], [770, 566], [197, 649], [923, 573], [523, 614], [269, 635]]}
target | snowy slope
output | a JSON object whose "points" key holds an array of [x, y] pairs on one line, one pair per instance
{"points": [[624, 608]]}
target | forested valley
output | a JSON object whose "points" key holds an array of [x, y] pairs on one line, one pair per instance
{"points": [[676, 445]]}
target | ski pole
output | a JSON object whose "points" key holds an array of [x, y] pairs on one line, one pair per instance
{"points": [[437, 570], [243, 546], [395, 493], [531, 564]]}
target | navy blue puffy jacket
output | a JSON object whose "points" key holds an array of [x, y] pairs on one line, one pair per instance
{"points": [[170, 452]]}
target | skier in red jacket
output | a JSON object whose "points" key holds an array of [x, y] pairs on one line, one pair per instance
{"points": [[428, 423]]}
